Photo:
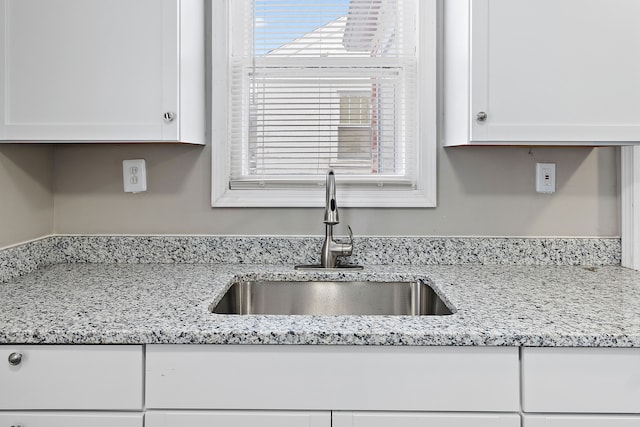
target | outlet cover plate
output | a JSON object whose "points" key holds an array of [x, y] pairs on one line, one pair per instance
{"points": [[134, 176], [546, 178]]}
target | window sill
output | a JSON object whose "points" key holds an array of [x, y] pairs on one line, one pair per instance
{"points": [[316, 197]]}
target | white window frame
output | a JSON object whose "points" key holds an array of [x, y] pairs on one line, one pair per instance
{"points": [[424, 193]]}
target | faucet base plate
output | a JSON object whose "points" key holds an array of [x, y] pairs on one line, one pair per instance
{"points": [[318, 267]]}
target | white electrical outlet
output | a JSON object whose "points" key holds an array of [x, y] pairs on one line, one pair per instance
{"points": [[546, 177], [134, 175]]}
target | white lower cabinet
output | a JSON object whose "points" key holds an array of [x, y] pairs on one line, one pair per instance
{"points": [[417, 419], [581, 380], [580, 421], [349, 378], [71, 385], [71, 377], [70, 419], [237, 419], [317, 386], [326, 419], [581, 387], [331, 386]]}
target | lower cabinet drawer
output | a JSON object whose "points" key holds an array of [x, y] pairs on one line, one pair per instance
{"points": [[580, 421], [237, 419], [68, 419], [325, 419], [71, 377], [333, 378], [415, 419], [581, 380]]}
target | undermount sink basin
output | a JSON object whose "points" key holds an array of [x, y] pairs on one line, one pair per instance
{"points": [[332, 298]]}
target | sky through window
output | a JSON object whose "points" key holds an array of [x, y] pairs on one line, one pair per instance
{"points": [[292, 19]]}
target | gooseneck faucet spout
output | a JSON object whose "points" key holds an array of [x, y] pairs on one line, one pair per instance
{"points": [[331, 208], [330, 248]]}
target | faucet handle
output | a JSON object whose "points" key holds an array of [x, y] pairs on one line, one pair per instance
{"points": [[347, 248]]}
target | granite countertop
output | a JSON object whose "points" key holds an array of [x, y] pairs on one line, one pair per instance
{"points": [[168, 303]]}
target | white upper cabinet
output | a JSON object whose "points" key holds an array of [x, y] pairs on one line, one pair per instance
{"points": [[102, 71], [542, 72]]}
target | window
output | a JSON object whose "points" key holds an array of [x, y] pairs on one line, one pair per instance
{"points": [[303, 86]]}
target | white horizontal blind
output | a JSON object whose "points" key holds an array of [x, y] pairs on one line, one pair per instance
{"points": [[319, 84]]}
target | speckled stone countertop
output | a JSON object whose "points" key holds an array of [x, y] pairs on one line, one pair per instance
{"points": [[168, 303]]}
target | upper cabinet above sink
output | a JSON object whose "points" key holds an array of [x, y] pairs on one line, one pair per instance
{"points": [[102, 71], [542, 72]]}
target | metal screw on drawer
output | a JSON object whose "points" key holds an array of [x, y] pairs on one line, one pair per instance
{"points": [[169, 116], [481, 117], [15, 359]]}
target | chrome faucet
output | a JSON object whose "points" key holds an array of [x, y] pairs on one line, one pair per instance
{"points": [[330, 248]]}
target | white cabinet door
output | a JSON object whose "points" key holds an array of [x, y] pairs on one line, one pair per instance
{"points": [[416, 419], [71, 377], [69, 419], [308, 377], [237, 419], [580, 421], [94, 70], [542, 71], [575, 380]]}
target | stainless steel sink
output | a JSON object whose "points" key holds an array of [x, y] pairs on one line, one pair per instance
{"points": [[331, 298]]}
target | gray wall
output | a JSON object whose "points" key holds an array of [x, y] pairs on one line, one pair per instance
{"points": [[482, 191], [26, 192]]}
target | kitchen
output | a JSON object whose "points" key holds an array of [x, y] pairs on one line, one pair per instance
{"points": [[68, 198]]}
